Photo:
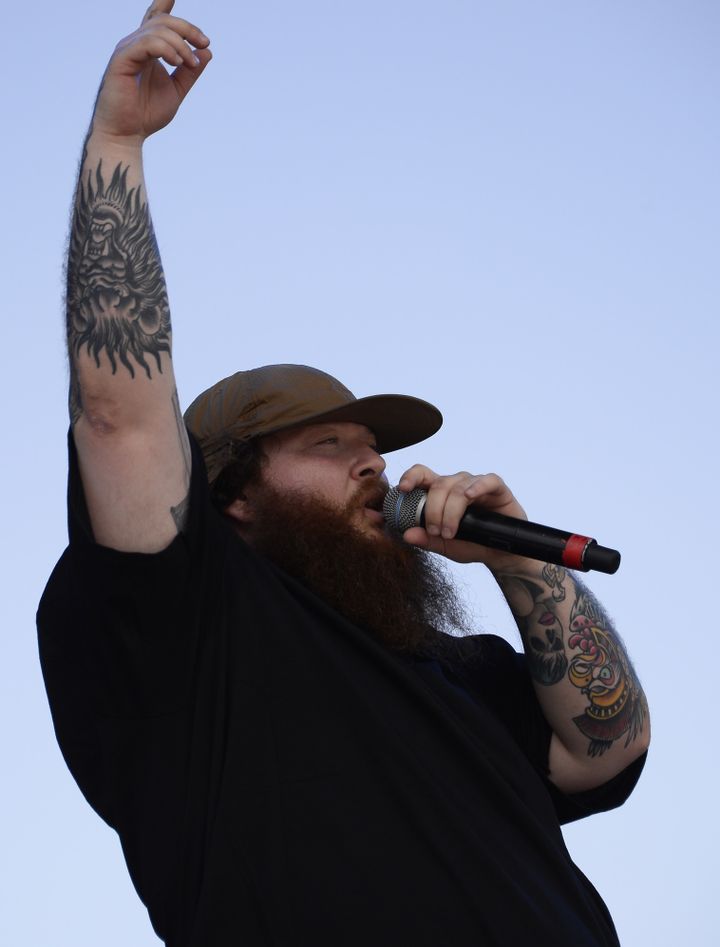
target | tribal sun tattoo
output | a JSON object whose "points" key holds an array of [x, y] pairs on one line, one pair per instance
{"points": [[599, 668], [116, 296]]}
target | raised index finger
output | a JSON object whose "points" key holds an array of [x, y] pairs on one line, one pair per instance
{"points": [[157, 6]]}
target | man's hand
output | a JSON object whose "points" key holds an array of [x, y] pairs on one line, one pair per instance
{"points": [[138, 96], [447, 499]]}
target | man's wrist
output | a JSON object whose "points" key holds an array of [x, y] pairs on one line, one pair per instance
{"points": [[101, 142], [518, 566]]}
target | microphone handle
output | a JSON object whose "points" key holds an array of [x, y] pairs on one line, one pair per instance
{"points": [[535, 541]]}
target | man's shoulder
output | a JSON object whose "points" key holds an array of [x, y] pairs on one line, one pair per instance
{"points": [[481, 652]]}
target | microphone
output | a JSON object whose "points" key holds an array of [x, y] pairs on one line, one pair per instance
{"points": [[520, 537]]}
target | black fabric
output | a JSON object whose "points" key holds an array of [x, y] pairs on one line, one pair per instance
{"points": [[277, 777]]}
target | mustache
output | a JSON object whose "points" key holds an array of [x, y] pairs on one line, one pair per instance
{"points": [[369, 494]]}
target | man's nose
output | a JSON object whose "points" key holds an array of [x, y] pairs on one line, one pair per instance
{"points": [[368, 464]]}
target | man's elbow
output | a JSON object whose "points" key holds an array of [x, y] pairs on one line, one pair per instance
{"points": [[575, 771]]}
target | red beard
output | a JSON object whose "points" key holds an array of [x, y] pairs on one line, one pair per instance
{"points": [[397, 592]]}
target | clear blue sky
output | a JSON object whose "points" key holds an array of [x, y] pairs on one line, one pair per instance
{"points": [[508, 208]]}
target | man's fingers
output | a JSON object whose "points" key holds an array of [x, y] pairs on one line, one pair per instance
{"points": [[446, 504], [135, 52], [485, 485], [184, 51], [167, 38], [185, 77], [184, 28], [416, 476], [448, 497], [156, 7], [457, 550], [417, 536]]}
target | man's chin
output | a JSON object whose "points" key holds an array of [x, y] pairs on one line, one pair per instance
{"points": [[353, 562]]}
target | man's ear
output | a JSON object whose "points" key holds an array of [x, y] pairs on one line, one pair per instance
{"points": [[240, 510]]}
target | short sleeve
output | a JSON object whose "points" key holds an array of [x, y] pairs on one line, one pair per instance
{"points": [[119, 633], [122, 639], [127, 618], [493, 671]]}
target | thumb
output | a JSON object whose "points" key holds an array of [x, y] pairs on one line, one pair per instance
{"points": [[459, 550], [418, 536]]}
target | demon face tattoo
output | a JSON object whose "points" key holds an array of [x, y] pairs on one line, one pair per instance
{"points": [[117, 300]]}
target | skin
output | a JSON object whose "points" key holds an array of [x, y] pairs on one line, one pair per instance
{"points": [[335, 461], [133, 447]]}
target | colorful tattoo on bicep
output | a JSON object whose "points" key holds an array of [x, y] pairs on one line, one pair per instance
{"points": [[602, 671], [600, 667]]}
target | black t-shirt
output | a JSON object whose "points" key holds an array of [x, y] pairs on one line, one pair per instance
{"points": [[277, 777]]}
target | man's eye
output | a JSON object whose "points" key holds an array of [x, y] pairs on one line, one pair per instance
{"points": [[328, 440]]}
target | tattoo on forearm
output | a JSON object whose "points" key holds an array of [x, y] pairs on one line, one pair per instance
{"points": [[116, 296], [599, 666], [602, 671], [554, 576], [542, 633]]}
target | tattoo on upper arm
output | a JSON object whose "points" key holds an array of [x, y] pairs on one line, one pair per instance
{"points": [[599, 667], [116, 296]]}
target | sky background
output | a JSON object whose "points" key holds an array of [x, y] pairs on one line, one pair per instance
{"points": [[507, 208]]}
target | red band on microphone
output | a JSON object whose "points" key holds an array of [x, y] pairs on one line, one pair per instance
{"points": [[572, 556]]}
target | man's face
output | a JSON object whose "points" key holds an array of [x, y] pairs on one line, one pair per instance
{"points": [[314, 511], [337, 463]]}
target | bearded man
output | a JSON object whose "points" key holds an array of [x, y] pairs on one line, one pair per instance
{"points": [[269, 697]]}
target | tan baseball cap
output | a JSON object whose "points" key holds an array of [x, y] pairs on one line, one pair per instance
{"points": [[275, 397]]}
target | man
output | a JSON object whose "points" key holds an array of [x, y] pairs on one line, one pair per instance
{"points": [[251, 680]]}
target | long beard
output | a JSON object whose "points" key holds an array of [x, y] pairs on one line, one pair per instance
{"points": [[396, 592]]}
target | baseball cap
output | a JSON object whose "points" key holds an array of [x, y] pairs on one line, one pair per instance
{"points": [[276, 397]]}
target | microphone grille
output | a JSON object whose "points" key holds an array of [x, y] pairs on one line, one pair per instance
{"points": [[402, 510]]}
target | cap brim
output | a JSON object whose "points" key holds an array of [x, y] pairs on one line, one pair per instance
{"points": [[395, 420]]}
